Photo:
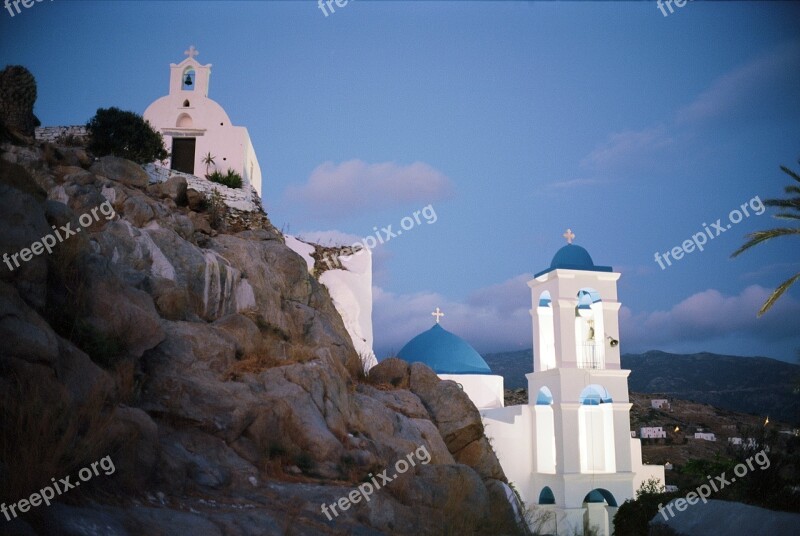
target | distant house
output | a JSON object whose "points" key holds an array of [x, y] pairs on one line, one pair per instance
{"points": [[652, 432], [668, 466], [750, 442], [670, 488], [706, 436], [659, 403]]}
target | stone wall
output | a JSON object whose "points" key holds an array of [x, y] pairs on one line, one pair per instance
{"points": [[76, 133], [241, 199]]}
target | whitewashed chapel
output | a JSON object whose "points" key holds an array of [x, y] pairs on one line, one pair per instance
{"points": [[195, 126], [569, 451]]}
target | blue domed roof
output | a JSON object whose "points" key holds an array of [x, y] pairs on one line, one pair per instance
{"points": [[444, 352], [574, 257]]}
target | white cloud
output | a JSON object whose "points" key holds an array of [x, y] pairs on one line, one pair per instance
{"points": [[622, 145], [336, 189], [493, 318], [744, 86], [766, 81], [497, 318], [710, 315]]}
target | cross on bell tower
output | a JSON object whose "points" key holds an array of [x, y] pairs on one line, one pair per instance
{"points": [[438, 314]]}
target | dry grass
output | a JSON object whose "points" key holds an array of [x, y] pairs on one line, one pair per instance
{"points": [[45, 435], [255, 364], [356, 365], [125, 381]]}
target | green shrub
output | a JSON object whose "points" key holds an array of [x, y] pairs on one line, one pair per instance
{"points": [[125, 134], [634, 515], [231, 179]]}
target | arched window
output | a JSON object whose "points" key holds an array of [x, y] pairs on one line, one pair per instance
{"points": [[547, 344], [546, 496], [596, 430], [596, 518], [545, 432], [186, 103], [188, 79], [589, 330], [184, 121]]}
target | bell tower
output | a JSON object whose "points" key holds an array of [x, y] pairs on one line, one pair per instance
{"points": [[189, 77]]}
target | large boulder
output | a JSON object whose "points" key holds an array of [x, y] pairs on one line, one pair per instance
{"points": [[24, 333], [457, 419], [392, 371], [22, 218], [121, 170]]}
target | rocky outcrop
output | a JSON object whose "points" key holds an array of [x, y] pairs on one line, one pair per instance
{"points": [[215, 371], [17, 97]]}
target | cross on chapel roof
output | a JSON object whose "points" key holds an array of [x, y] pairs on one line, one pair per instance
{"points": [[438, 314]]}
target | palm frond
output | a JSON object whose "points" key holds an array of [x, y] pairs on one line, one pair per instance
{"points": [[783, 203], [777, 293], [792, 189], [761, 236], [786, 216], [791, 173]]}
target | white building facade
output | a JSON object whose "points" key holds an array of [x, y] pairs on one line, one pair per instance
{"points": [[194, 126], [652, 432], [569, 451]]}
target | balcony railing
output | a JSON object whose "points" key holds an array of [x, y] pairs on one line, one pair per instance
{"points": [[589, 357]]}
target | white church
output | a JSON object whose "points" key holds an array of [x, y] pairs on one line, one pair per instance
{"points": [[193, 126], [569, 451]]}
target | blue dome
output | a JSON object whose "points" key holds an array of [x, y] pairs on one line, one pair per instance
{"points": [[573, 257], [444, 352]]}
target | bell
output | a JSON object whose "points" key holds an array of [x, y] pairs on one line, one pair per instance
{"points": [[187, 81]]}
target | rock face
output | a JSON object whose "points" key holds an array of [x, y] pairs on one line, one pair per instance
{"points": [[17, 97], [215, 371]]}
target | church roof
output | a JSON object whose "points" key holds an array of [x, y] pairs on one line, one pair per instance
{"points": [[573, 257], [444, 352]]}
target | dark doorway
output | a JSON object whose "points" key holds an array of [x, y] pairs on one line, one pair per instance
{"points": [[183, 154]]}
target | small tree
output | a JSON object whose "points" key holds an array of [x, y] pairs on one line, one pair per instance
{"points": [[634, 515], [125, 134], [208, 160]]}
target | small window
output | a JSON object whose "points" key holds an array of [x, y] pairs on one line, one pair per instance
{"points": [[186, 103]]}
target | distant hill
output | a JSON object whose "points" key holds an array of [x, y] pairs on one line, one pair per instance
{"points": [[747, 384]]}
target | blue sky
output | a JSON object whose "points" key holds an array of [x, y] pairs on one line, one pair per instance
{"points": [[514, 120]]}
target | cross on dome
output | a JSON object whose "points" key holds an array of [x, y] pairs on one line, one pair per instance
{"points": [[438, 314], [192, 52], [569, 235]]}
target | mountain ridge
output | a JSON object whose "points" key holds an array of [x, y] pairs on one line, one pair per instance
{"points": [[758, 384]]}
